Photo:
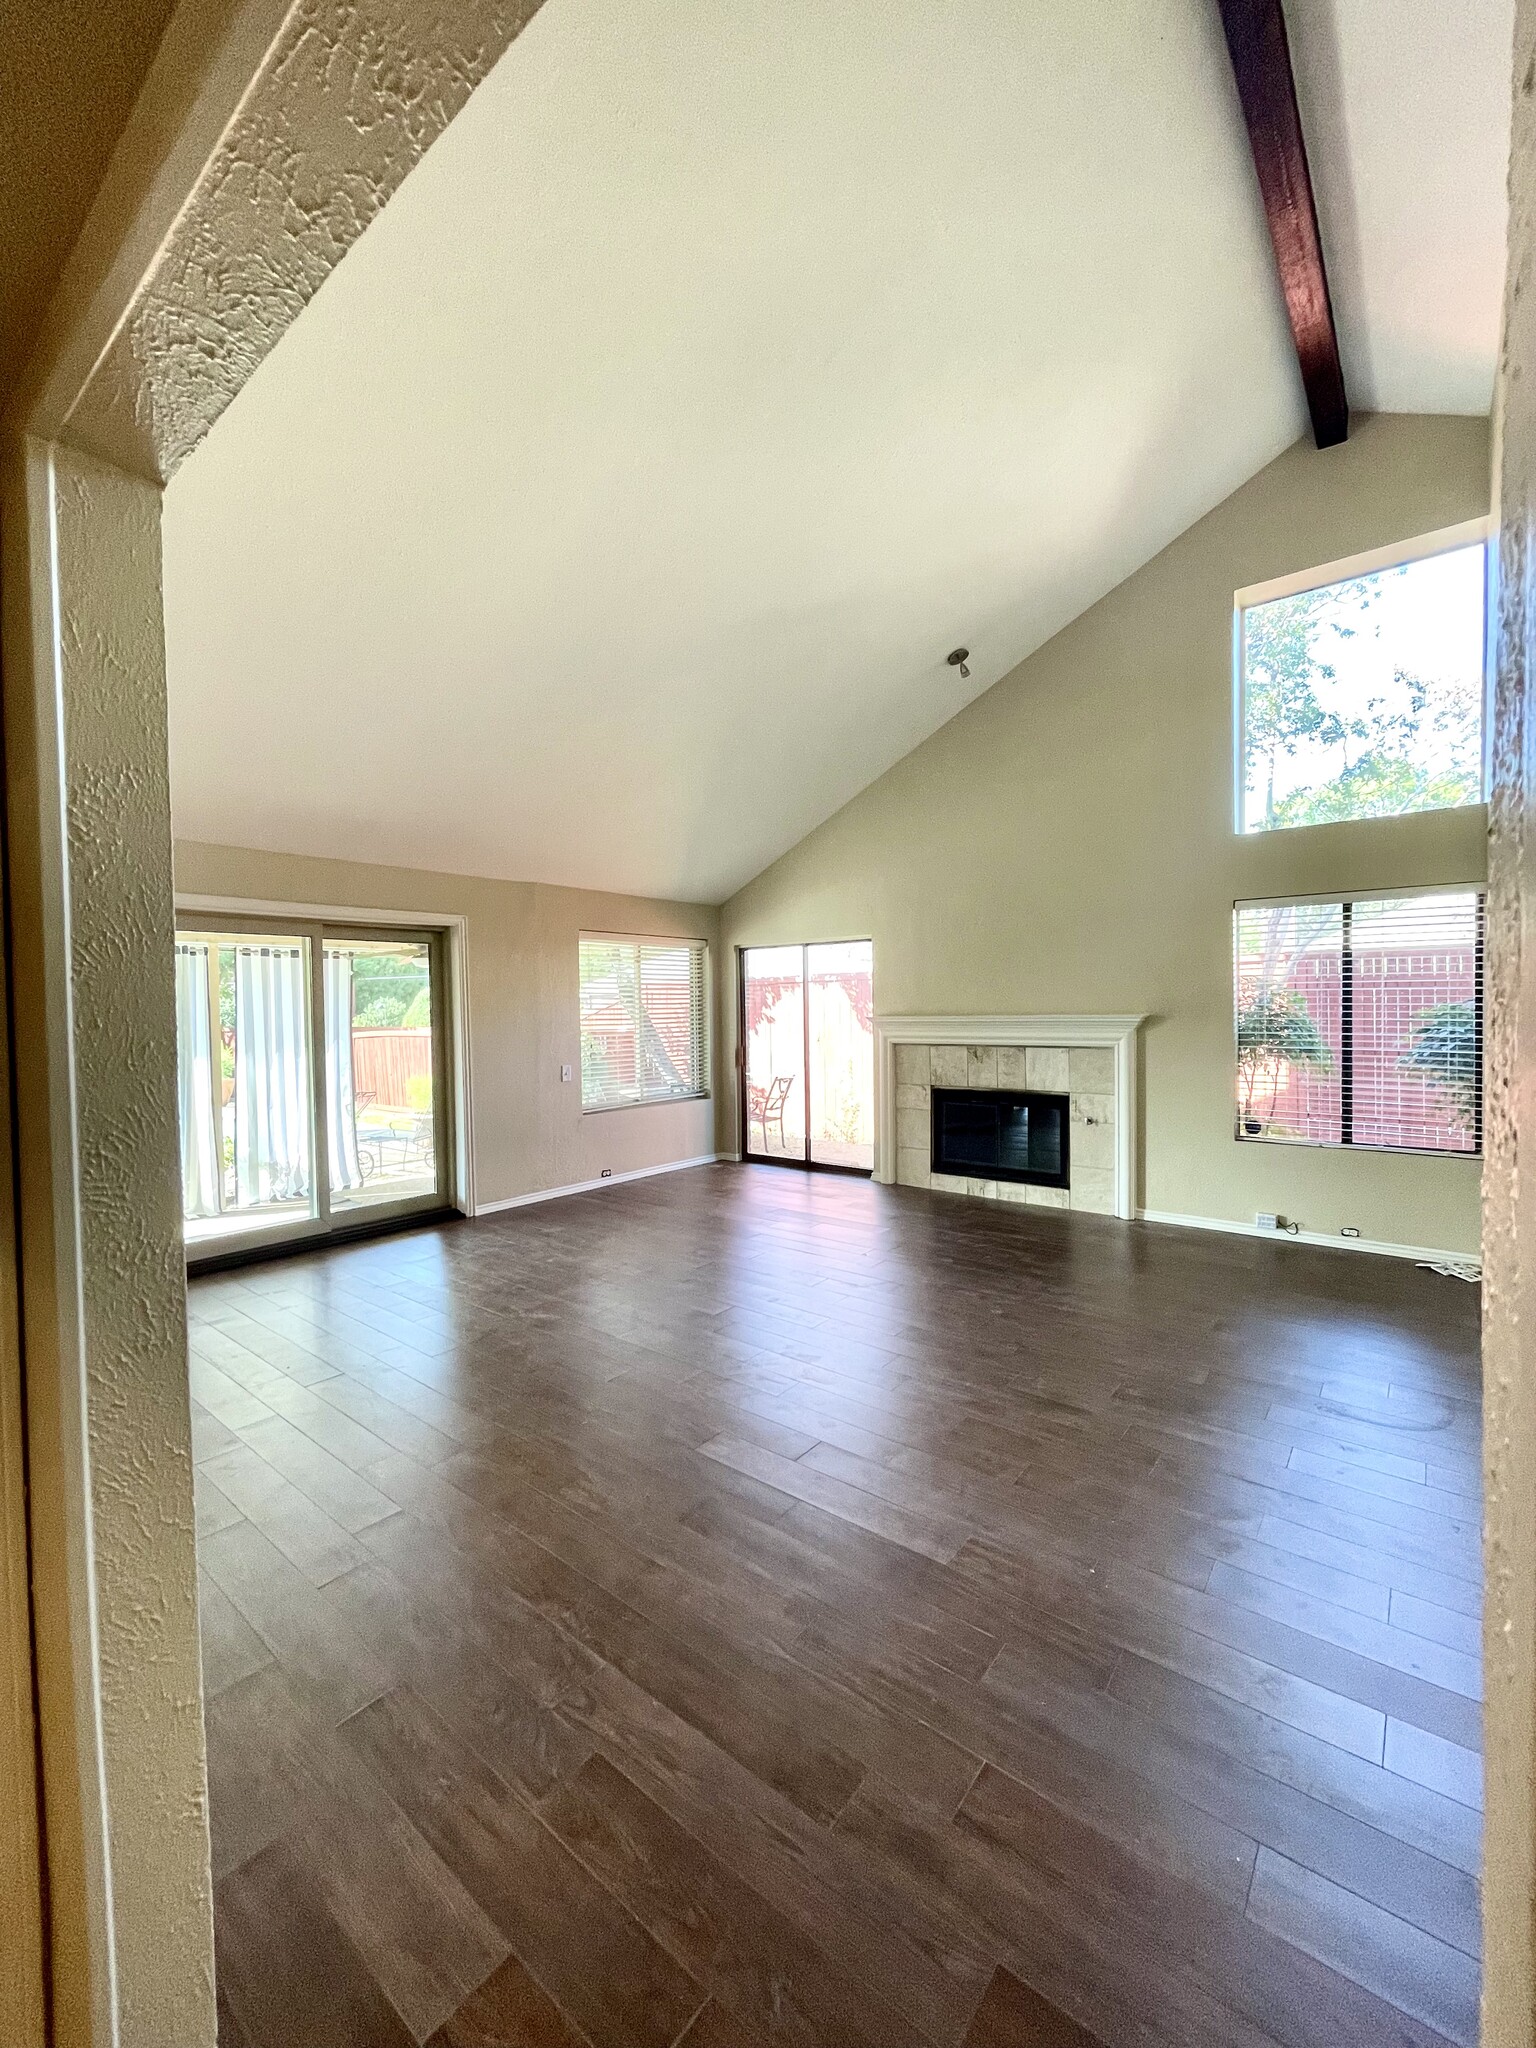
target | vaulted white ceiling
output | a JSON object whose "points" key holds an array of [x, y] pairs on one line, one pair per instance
{"points": [[1406, 109], [607, 517]]}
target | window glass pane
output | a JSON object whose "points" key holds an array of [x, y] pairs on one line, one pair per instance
{"points": [[1360, 1023], [668, 1045], [644, 1035], [610, 1057], [380, 1082], [773, 985], [842, 1077], [244, 1082], [1364, 699], [1416, 1038], [1289, 1014]]}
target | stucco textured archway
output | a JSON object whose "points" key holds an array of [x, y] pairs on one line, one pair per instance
{"points": [[267, 137]]}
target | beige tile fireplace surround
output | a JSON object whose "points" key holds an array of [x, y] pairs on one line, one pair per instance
{"points": [[1091, 1060]]}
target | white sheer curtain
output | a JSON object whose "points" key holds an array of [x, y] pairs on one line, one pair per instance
{"points": [[194, 1085], [340, 1089], [271, 1075]]}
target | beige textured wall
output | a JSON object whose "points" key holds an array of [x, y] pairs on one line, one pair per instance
{"points": [[133, 1285], [114, 1568], [529, 1131], [1509, 1224], [1066, 844]]}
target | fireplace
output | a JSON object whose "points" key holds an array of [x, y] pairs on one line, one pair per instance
{"points": [[1003, 1135], [1088, 1064]]}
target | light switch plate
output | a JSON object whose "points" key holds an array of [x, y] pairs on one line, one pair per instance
{"points": [[566, 1073]]}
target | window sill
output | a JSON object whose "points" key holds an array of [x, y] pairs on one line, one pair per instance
{"points": [[1479, 803], [646, 1102], [1336, 1145]]}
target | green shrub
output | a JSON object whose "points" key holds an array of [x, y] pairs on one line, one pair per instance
{"points": [[1274, 1026], [1444, 1050]]}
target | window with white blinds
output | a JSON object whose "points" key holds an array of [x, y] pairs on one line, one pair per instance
{"points": [[1361, 1022], [644, 1021]]}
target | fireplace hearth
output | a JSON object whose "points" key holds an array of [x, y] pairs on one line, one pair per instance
{"points": [[1001, 1134]]}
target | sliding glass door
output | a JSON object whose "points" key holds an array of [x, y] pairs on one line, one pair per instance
{"points": [[311, 1078], [382, 1059], [808, 1055], [840, 1035]]}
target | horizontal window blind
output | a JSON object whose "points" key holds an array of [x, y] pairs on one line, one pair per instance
{"points": [[1361, 1022], [644, 1021]]}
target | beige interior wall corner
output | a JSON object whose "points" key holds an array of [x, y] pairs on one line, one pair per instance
{"points": [[991, 884], [1509, 1223], [520, 942], [245, 172]]}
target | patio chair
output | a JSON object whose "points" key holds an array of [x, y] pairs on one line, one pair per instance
{"points": [[765, 1106]]}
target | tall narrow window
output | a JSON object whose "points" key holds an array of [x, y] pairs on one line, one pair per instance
{"points": [[1362, 697], [1360, 1022], [644, 1021]]}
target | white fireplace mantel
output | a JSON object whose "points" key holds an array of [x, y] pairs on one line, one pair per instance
{"points": [[1119, 1033]]}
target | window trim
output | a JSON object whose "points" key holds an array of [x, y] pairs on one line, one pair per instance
{"points": [[706, 1048], [1346, 900], [1444, 540]]}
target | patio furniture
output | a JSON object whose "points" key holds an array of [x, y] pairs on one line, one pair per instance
{"points": [[375, 1142], [765, 1106]]}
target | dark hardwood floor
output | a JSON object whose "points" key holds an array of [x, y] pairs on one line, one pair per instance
{"points": [[746, 1608]]}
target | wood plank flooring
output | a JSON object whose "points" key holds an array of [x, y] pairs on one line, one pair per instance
{"points": [[745, 1608]]}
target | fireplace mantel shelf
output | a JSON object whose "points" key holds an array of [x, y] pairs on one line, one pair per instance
{"points": [[1066, 1031], [1115, 1032]]}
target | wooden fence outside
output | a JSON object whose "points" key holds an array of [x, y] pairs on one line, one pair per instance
{"points": [[385, 1061]]}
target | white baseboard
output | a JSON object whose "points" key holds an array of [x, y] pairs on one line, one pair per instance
{"points": [[1422, 1252], [585, 1187]]}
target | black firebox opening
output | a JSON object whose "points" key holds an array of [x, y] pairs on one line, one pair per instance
{"points": [[996, 1134]]}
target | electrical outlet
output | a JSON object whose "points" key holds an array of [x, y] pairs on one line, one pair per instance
{"points": [[1349, 1230], [566, 1073], [1265, 1221], [606, 1174]]}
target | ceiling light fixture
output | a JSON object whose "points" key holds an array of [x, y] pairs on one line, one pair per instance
{"points": [[958, 658]]}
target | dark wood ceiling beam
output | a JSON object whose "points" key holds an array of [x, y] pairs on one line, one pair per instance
{"points": [[1266, 86]]}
